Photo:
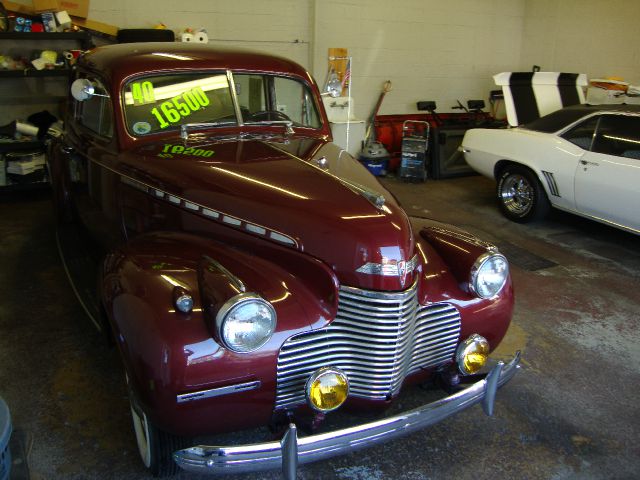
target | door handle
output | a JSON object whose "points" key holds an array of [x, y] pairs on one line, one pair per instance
{"points": [[67, 149], [585, 162]]}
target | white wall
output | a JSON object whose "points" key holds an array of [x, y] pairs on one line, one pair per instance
{"points": [[586, 36], [430, 49]]}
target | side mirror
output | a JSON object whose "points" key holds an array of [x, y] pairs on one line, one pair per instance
{"points": [[83, 89]]}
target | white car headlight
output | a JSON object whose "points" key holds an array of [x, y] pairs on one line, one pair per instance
{"points": [[489, 274], [245, 322]]}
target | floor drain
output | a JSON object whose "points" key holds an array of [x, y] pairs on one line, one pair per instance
{"points": [[523, 258]]}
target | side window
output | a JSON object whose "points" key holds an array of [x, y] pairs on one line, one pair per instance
{"points": [[295, 100], [96, 113], [251, 93], [618, 135], [582, 135]]}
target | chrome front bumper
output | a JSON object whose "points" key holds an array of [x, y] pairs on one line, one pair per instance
{"points": [[291, 450]]}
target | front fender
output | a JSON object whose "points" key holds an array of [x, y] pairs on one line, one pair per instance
{"points": [[167, 353], [448, 254]]}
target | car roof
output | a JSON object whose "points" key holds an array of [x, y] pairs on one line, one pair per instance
{"points": [[559, 119], [117, 62]]}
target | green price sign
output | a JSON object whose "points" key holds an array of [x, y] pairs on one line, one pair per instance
{"points": [[142, 93], [183, 105], [169, 150]]}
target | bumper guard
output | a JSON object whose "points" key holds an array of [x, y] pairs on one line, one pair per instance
{"points": [[291, 450]]}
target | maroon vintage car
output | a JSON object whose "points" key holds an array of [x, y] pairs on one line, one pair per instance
{"points": [[252, 273]]}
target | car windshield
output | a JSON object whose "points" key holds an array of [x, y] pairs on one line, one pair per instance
{"points": [[157, 103], [269, 98]]}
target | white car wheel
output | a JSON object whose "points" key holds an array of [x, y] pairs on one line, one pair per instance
{"points": [[156, 447], [141, 428]]}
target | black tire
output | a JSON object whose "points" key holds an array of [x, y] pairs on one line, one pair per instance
{"points": [[521, 196], [155, 446]]}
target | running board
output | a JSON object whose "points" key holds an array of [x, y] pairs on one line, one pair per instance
{"points": [[81, 270]]}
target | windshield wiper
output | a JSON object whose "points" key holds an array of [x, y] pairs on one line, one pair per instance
{"points": [[288, 123], [184, 129]]}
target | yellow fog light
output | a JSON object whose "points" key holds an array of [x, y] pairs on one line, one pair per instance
{"points": [[327, 389], [472, 354]]}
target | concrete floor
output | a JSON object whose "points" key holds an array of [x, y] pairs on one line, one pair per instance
{"points": [[572, 411]]}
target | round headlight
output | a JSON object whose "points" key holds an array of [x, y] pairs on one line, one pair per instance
{"points": [[327, 389], [472, 354], [246, 322], [489, 274]]}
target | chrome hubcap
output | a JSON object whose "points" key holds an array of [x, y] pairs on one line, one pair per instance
{"points": [[517, 194]]}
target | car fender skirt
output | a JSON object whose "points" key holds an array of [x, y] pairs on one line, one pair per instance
{"points": [[291, 450]]}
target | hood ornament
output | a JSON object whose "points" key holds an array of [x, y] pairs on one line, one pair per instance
{"points": [[391, 268], [375, 198]]}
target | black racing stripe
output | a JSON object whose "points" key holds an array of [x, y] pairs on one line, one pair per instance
{"points": [[524, 99], [567, 85]]}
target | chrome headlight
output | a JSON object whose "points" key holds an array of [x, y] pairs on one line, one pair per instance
{"points": [[245, 322], [489, 274]]}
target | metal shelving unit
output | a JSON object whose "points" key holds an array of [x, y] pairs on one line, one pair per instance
{"points": [[11, 102]]}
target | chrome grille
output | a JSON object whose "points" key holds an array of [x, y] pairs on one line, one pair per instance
{"points": [[377, 339]]}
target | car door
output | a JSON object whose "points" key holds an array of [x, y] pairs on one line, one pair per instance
{"points": [[88, 153], [607, 182]]}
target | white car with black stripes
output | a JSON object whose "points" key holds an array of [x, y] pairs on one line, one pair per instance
{"points": [[583, 159]]}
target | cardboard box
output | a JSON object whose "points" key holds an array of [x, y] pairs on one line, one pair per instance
{"points": [[40, 6], [76, 8]]}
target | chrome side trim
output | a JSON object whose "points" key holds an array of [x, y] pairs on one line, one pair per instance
{"points": [[193, 207], [234, 98], [293, 450], [239, 284], [462, 235], [551, 182], [217, 392]]}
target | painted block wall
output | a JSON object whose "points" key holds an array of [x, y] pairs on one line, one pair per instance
{"points": [[587, 36], [430, 49]]}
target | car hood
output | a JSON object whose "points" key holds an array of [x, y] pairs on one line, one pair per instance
{"points": [[303, 193]]}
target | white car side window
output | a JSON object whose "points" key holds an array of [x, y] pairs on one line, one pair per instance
{"points": [[583, 134], [618, 135]]}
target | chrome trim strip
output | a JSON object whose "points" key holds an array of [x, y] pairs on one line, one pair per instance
{"points": [[217, 392], [240, 286], [258, 457], [194, 207], [551, 182], [234, 98]]}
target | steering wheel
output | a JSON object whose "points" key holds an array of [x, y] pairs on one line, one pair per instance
{"points": [[269, 115]]}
